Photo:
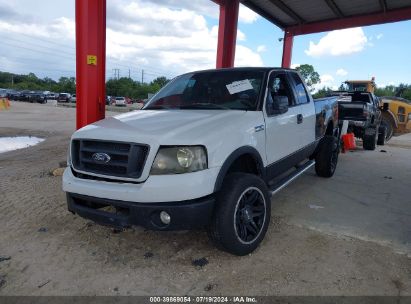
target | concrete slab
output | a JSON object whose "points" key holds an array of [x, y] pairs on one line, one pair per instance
{"points": [[368, 198]]}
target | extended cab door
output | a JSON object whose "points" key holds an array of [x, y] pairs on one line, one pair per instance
{"points": [[304, 104]]}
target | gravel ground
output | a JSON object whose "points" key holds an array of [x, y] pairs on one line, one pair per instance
{"points": [[53, 252]]}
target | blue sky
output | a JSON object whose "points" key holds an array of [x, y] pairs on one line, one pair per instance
{"points": [[169, 37]]}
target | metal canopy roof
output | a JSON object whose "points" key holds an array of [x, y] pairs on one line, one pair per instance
{"points": [[310, 16]]}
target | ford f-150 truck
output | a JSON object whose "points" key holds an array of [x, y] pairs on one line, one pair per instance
{"points": [[207, 151]]}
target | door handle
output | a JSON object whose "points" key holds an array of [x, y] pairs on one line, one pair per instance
{"points": [[299, 118]]}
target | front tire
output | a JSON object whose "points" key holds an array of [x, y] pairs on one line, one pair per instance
{"points": [[242, 214], [326, 158]]}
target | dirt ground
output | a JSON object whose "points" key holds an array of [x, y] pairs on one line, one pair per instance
{"points": [[53, 252]]}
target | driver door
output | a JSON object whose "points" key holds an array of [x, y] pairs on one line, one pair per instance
{"points": [[282, 138]]}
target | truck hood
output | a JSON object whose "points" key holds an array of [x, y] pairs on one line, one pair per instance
{"points": [[162, 126], [220, 131]]}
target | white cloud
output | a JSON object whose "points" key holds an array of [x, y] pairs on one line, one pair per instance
{"points": [[60, 28], [338, 43], [240, 36], [379, 36], [295, 65], [176, 40], [246, 15], [327, 81], [341, 72], [261, 48], [246, 57], [204, 7], [158, 36]]}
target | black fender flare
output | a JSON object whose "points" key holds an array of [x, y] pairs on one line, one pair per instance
{"points": [[233, 157]]}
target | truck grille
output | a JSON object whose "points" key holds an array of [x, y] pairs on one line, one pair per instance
{"points": [[110, 158]]}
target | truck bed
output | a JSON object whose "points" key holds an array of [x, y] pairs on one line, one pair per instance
{"points": [[326, 109]]}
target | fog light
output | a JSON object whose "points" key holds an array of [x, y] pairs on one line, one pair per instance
{"points": [[165, 217]]}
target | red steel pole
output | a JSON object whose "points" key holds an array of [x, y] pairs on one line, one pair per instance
{"points": [[90, 61], [287, 49], [227, 33]]}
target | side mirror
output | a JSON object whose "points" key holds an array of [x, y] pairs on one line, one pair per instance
{"points": [[280, 104]]}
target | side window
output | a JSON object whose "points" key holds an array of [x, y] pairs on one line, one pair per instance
{"points": [[302, 95], [279, 86], [401, 114]]}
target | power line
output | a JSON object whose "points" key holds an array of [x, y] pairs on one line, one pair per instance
{"points": [[155, 70], [61, 54]]}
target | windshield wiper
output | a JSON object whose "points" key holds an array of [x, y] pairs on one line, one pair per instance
{"points": [[205, 105]]}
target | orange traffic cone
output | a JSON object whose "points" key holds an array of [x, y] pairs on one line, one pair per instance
{"points": [[349, 141]]}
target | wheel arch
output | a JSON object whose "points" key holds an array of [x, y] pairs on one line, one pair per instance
{"points": [[245, 153], [389, 116]]}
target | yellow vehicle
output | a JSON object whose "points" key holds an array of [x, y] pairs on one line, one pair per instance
{"points": [[361, 85], [396, 115]]}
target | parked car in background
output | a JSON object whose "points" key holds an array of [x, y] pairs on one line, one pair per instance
{"points": [[9, 92], [37, 96], [64, 97], [14, 95], [3, 93], [24, 95], [51, 95], [120, 102], [73, 98]]}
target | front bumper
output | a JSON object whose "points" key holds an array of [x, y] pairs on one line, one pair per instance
{"points": [[192, 214], [157, 188]]}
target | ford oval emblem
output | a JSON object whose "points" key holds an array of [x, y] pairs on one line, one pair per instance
{"points": [[102, 158]]}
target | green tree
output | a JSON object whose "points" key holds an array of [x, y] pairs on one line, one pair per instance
{"points": [[310, 76], [325, 91], [67, 85], [160, 81]]}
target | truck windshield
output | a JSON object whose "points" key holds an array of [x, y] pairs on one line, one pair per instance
{"points": [[218, 90]]}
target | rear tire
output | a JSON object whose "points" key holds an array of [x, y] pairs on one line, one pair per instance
{"points": [[370, 140], [382, 135], [242, 214], [327, 156]]}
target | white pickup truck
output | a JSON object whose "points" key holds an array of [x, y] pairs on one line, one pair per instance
{"points": [[207, 151]]}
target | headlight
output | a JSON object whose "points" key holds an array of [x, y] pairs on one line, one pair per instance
{"points": [[176, 160], [69, 156]]}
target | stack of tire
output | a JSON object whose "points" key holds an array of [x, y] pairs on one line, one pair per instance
{"points": [[4, 103], [372, 137]]}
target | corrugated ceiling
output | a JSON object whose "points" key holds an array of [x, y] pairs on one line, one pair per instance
{"points": [[286, 13]]}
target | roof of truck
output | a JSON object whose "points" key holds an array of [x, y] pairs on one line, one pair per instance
{"points": [[262, 69]]}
